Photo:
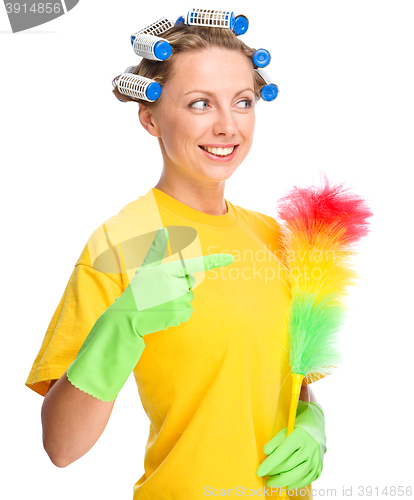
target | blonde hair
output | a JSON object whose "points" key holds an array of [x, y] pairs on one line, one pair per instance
{"points": [[184, 39]]}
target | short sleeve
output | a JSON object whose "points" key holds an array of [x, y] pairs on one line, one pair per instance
{"points": [[88, 294]]}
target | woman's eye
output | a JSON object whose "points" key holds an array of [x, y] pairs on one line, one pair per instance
{"points": [[202, 104], [245, 104]]}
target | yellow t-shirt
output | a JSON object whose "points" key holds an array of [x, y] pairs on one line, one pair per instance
{"points": [[216, 388]]}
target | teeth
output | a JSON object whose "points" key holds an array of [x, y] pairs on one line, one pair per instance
{"points": [[219, 151]]}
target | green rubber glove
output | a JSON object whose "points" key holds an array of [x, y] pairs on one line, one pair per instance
{"points": [[158, 296], [296, 460]]}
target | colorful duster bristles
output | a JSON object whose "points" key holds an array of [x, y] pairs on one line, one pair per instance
{"points": [[319, 228]]}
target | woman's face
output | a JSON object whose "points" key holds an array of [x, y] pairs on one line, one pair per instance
{"points": [[207, 104]]}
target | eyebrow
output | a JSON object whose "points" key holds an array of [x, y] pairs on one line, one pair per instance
{"points": [[214, 95]]}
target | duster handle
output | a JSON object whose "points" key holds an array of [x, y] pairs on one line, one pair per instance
{"points": [[296, 386]]}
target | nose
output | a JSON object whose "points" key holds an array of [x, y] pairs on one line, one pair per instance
{"points": [[225, 123]]}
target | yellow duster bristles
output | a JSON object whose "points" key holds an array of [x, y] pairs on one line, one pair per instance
{"points": [[321, 267]]}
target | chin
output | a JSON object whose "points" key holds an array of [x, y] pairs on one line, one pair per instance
{"points": [[220, 172]]}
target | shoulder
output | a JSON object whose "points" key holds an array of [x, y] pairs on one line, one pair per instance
{"points": [[258, 218], [110, 244], [266, 229]]}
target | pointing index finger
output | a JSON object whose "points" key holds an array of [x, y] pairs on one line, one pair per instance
{"points": [[208, 262]]}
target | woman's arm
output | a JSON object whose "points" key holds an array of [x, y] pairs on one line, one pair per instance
{"points": [[72, 421]]}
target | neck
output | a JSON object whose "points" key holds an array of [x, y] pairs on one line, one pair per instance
{"points": [[209, 200]]}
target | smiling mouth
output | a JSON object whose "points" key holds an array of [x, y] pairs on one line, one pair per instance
{"points": [[218, 151]]}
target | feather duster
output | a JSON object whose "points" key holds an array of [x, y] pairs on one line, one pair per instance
{"points": [[319, 229]]}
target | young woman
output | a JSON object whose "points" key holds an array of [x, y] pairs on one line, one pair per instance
{"points": [[204, 336]]}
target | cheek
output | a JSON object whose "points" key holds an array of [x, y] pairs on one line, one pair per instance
{"points": [[171, 133], [179, 139], [248, 126], [186, 132]]}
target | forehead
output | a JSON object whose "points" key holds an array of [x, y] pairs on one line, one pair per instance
{"points": [[215, 67]]}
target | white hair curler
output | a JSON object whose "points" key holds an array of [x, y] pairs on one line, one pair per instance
{"points": [[157, 28], [138, 87], [130, 69], [211, 18], [270, 91], [151, 47], [238, 23]]}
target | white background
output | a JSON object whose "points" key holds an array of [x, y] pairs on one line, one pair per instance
{"points": [[72, 156]]}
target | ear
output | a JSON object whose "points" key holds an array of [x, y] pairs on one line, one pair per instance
{"points": [[147, 119]]}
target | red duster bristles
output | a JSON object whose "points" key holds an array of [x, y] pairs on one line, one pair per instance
{"points": [[330, 207]]}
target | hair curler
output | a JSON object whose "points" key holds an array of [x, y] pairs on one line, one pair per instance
{"points": [[238, 23], [138, 87], [180, 21], [211, 18], [114, 84], [241, 24], [157, 28], [151, 47], [270, 91], [129, 69], [261, 58]]}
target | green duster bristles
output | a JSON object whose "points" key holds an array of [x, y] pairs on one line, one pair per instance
{"points": [[313, 330]]}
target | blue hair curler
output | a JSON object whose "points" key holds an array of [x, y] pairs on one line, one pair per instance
{"points": [[261, 58], [148, 44], [270, 91], [138, 87], [241, 24], [151, 47], [180, 21]]}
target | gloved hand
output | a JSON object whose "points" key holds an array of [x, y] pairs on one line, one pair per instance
{"points": [[296, 460], [157, 297]]}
